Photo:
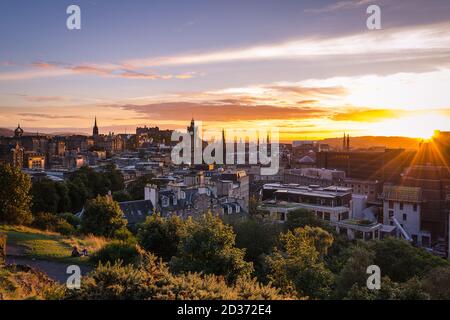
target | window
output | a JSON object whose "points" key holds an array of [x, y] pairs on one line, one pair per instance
{"points": [[165, 202], [401, 205], [415, 207], [183, 195], [391, 204], [404, 217]]}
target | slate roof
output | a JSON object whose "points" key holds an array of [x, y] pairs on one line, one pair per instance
{"points": [[136, 211]]}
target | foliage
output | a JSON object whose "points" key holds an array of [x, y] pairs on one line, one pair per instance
{"points": [[400, 261], [72, 219], [258, 238], [299, 264], [125, 252], [14, 196], [2, 249], [135, 188], [103, 217], [51, 222], [21, 282], [151, 279], [161, 236], [437, 283], [354, 270], [209, 247], [410, 290], [302, 217]]}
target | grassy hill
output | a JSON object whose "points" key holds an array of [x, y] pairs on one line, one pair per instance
{"points": [[44, 245]]}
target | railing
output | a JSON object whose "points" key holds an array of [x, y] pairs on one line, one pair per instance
{"points": [[404, 233]]}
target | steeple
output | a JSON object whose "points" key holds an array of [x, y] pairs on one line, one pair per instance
{"points": [[19, 131], [95, 129]]}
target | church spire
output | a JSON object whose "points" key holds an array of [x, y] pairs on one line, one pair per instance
{"points": [[95, 129]]}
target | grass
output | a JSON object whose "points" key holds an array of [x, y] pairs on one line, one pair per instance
{"points": [[18, 284], [47, 245]]}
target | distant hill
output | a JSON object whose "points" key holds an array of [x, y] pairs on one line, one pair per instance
{"points": [[6, 132], [374, 141]]}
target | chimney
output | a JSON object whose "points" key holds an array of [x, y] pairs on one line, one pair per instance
{"points": [[151, 193]]}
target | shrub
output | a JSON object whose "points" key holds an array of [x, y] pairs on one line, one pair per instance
{"points": [[116, 251], [151, 279], [71, 219], [2, 249], [51, 222]]}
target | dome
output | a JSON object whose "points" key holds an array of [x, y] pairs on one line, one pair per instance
{"points": [[19, 131]]}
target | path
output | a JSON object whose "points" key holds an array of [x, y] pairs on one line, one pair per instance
{"points": [[55, 270]]}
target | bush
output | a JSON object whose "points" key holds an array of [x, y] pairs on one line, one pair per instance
{"points": [[51, 222], [71, 219], [116, 251], [2, 249], [151, 279]]}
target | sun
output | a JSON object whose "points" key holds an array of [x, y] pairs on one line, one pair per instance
{"points": [[419, 126]]}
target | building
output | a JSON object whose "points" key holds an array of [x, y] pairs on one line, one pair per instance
{"points": [[402, 207], [34, 160], [233, 186], [95, 129], [12, 155], [382, 165], [332, 204]]}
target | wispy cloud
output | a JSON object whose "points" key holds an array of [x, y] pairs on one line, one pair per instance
{"points": [[45, 69], [399, 42], [342, 5]]}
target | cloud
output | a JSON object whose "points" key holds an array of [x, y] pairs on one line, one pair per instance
{"points": [[398, 42], [219, 111], [367, 115], [342, 5], [36, 116], [310, 91], [45, 69]]}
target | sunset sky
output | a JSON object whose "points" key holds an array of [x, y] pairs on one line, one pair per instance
{"points": [[310, 68]]}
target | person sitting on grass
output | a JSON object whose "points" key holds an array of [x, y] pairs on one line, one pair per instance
{"points": [[84, 252], [75, 252]]}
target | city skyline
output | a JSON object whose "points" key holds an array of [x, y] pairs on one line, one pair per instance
{"points": [[312, 69]]}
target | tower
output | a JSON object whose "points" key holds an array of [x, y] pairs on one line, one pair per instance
{"points": [[95, 130], [18, 132]]}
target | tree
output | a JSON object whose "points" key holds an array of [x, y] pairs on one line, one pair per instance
{"points": [[437, 283], [103, 217], [400, 261], [302, 217], [161, 236], [15, 196], [298, 263], [354, 270], [258, 238], [136, 188], [151, 279], [45, 196], [209, 247]]}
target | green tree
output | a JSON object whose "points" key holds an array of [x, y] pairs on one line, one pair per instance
{"points": [[45, 196], [437, 283], [161, 236], [136, 188], [258, 238], [354, 270], [209, 247], [103, 217], [151, 279], [302, 217], [299, 264], [400, 261], [15, 196]]}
